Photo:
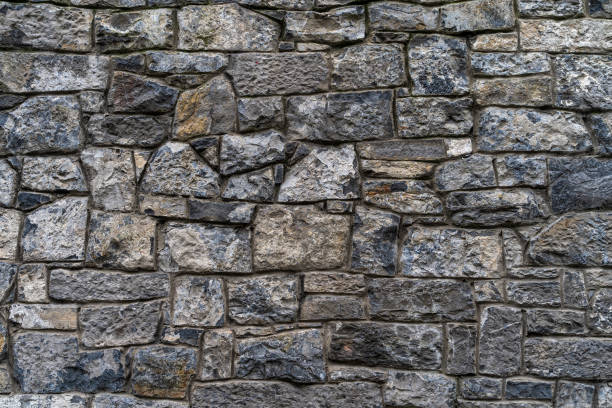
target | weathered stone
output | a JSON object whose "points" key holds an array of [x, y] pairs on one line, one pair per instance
{"points": [[574, 358], [335, 26], [41, 124], [92, 101], [600, 311], [374, 241], [438, 65], [180, 335], [124, 325], [368, 66], [527, 130], [9, 233], [495, 42], [59, 317], [404, 196], [504, 404], [385, 344], [8, 273], [134, 30], [209, 109], [529, 91], [392, 16], [175, 169], [203, 248], [601, 127], [481, 388], [332, 307], [162, 371], [216, 357], [461, 340], [458, 147], [126, 401], [348, 373], [208, 148], [604, 395], [527, 388], [134, 93], [550, 8], [8, 101], [234, 213], [44, 401], [396, 169], [477, 15], [185, 63], [584, 81], [599, 8], [565, 35], [575, 239], [475, 171], [286, 73], [451, 253], [421, 390], [121, 240], [6, 382], [162, 206], [130, 63], [28, 200], [423, 117], [550, 322], [574, 395], [488, 291], [8, 183], [132, 130], [248, 152], [508, 64], [39, 72], [517, 170], [535, 293], [500, 340], [334, 282], [260, 113], [351, 116], [56, 232], [32, 284], [535, 273]]}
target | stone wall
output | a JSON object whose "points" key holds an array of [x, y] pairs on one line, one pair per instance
{"points": [[306, 203]]}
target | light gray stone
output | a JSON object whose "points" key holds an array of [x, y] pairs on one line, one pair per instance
{"points": [[529, 388], [488, 291], [334, 282], [332, 307], [550, 8], [185, 63], [8, 183], [500, 340], [601, 127], [584, 82], [334, 26], [565, 35], [475, 171], [423, 117], [421, 390], [8, 273], [574, 291], [134, 30], [58, 317], [495, 42], [44, 401], [396, 169], [600, 311], [517, 170], [9, 233], [162, 206], [403, 196], [395, 16], [481, 388], [534, 293], [32, 284], [477, 15], [255, 186], [368, 66], [52, 174], [509, 64], [216, 356], [574, 395], [249, 152], [260, 113]]}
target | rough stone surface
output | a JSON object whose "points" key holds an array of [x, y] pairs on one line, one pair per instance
{"points": [[334, 26], [584, 83], [134, 93], [473, 172], [58, 317], [374, 242], [529, 91], [394, 16], [403, 196], [239, 153], [263, 300], [423, 117], [477, 15], [565, 8], [419, 390], [353, 67], [134, 30], [509, 64], [461, 356], [500, 340], [576, 395], [565, 35]]}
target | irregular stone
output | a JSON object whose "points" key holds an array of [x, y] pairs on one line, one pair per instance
{"points": [[92, 101], [44, 401], [599, 8], [260, 113], [527, 130], [551, 322], [527, 388], [404, 196], [32, 284], [374, 241], [584, 81], [8, 273], [550, 8], [162, 206], [477, 15], [55, 232], [599, 315], [134, 30], [403, 150], [8, 101], [132, 130], [601, 127], [368, 66], [488, 292], [334, 282], [518, 170], [495, 42], [42, 124], [8, 183], [208, 148], [216, 357], [175, 169], [130, 63], [28, 201], [204, 248], [574, 395], [6, 383], [285, 73], [41, 72], [58, 317], [127, 401], [396, 169], [565, 35], [332, 307], [509, 64], [134, 93], [234, 213], [529, 91], [295, 356], [422, 390], [181, 335], [392, 16], [162, 371], [334, 26], [423, 117], [475, 171], [500, 340], [121, 240], [451, 252], [481, 388], [184, 63], [248, 152]]}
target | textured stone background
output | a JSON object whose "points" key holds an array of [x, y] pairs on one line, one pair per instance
{"points": [[306, 203]]}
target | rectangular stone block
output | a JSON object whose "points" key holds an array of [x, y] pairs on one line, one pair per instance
{"points": [[501, 330], [425, 117], [566, 35], [36, 316], [134, 30], [403, 150], [461, 346], [333, 282], [477, 15], [334, 26], [332, 307]]}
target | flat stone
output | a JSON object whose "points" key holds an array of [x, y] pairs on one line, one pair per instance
{"points": [[374, 248], [44, 401], [422, 390], [281, 74], [528, 130], [185, 63], [204, 248], [461, 357], [41, 124], [528, 388], [216, 357], [368, 66], [601, 127], [295, 356], [545, 322], [8, 183], [111, 176], [403, 150], [518, 170], [536, 293], [334, 282], [396, 169], [332, 307], [599, 318], [481, 388], [574, 395], [260, 113], [451, 252], [393, 16], [565, 35], [134, 93], [477, 15], [348, 373], [580, 184], [180, 335], [509, 64], [334, 26], [528, 91], [134, 30], [550, 8], [584, 82], [234, 213], [403, 196], [500, 341], [131, 130], [423, 117], [29, 200], [127, 401], [249, 152], [598, 277], [475, 171], [263, 300], [495, 42]]}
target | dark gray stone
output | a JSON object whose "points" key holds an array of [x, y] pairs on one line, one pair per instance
{"points": [[475, 171], [248, 152], [394, 16], [461, 346], [584, 81], [130, 130], [368, 66], [477, 15], [534, 293], [198, 301], [334, 26], [600, 8], [517, 170], [8, 273], [374, 248], [403, 196], [234, 213], [423, 117], [574, 291], [527, 388], [481, 388], [501, 330], [601, 127], [420, 390], [260, 113], [550, 322], [134, 30], [134, 93], [574, 395], [332, 307], [257, 186]]}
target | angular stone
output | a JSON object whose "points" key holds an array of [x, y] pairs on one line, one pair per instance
{"points": [[41, 72], [403, 150], [396, 169], [551, 322], [550, 8], [92, 101], [392, 16], [601, 127], [126, 401], [518, 170], [56, 232], [495, 42], [528, 130], [404, 196], [508, 64], [44, 401], [52, 174], [255, 186], [134, 30], [9, 233], [599, 316], [8, 101], [527, 388], [180, 335], [535, 293], [368, 66], [481, 388], [133, 93], [574, 395], [185, 63], [451, 252], [604, 395], [58, 317], [260, 113], [423, 117], [162, 206], [501, 330], [565, 35], [162, 371], [334, 26], [598, 277], [334, 282], [175, 169], [599, 8], [32, 284], [226, 27], [529, 91], [348, 373], [332, 307], [504, 404], [488, 291], [124, 325], [132, 130], [28, 200], [285, 73], [475, 171], [461, 357], [580, 184], [421, 390], [477, 15], [233, 213], [584, 81], [374, 241], [8, 273], [248, 152], [216, 357], [8, 183], [294, 356]]}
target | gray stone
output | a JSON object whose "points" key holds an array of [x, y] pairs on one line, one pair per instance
{"points": [[92, 101], [8, 183], [134, 93], [504, 404], [121, 240], [566, 35], [111, 177], [527, 130], [508, 64], [528, 91], [598, 277], [9, 233], [550, 8], [41, 124], [126, 401], [488, 291], [58, 317], [41, 72], [162, 206], [534, 293], [29, 200], [601, 127], [124, 325], [481, 388], [226, 27], [500, 336], [334, 282], [396, 169], [56, 232], [368, 66], [604, 395], [451, 252], [204, 248], [517, 170], [180, 335], [600, 311], [93, 285], [374, 241], [162, 371], [403, 150], [348, 373], [332, 307], [260, 113], [8, 101], [475, 171], [423, 117], [32, 284], [255, 186], [535, 273], [233, 213], [477, 15], [295, 356], [285, 73], [550, 322], [131, 130], [393, 16], [8, 273], [574, 292], [495, 42], [461, 357], [134, 30], [216, 357], [527, 388], [421, 390], [208, 148], [334, 26], [248, 152], [130, 63], [403, 196], [185, 63], [574, 395], [600, 8], [6, 382], [44, 401], [584, 82], [263, 300]]}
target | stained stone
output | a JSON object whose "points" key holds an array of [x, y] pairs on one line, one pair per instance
{"points": [[175, 169], [392, 16], [535, 293], [451, 252], [477, 15], [334, 26], [396, 169], [374, 241], [248, 152], [180, 335], [209, 109], [601, 127], [8, 183], [182, 62], [45, 27], [32, 284], [458, 147], [44, 401], [500, 341], [566, 35], [404, 196], [58, 317], [528, 130], [334, 282], [409, 346], [263, 300], [403, 150], [121, 240], [286, 73], [8, 273], [294, 356], [368, 66], [204, 248], [131, 130], [234, 213], [226, 27], [488, 291], [216, 357], [162, 371], [423, 117], [421, 390], [550, 322], [126, 401], [574, 395], [41, 72], [599, 8], [527, 388], [111, 176], [584, 82], [134, 30], [41, 124], [599, 316], [518, 170], [260, 113], [408, 300], [134, 93], [475, 171], [529, 91], [495, 42], [55, 232], [279, 238], [162, 206], [508, 64], [550, 8], [481, 388]]}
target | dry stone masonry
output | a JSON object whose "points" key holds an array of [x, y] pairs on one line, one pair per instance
{"points": [[305, 203]]}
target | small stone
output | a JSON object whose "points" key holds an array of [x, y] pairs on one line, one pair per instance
{"points": [[334, 26], [260, 113], [477, 15], [598, 277], [8, 101], [374, 241], [529, 91], [162, 206], [32, 284], [8, 273], [458, 147], [334, 282], [575, 395], [295, 356], [368, 66], [422, 390], [44, 401], [488, 291], [604, 395], [584, 82], [495, 42], [131, 130], [8, 183], [601, 127], [348, 373], [403, 150], [6, 384], [396, 169], [126, 401], [181, 335], [249, 152], [461, 356], [58, 317], [423, 117], [481, 388], [216, 357], [500, 340], [338, 206], [129, 63], [475, 171], [579, 35], [208, 148], [92, 101], [392, 16], [134, 93], [527, 388], [184, 63], [580, 184], [29, 201], [599, 8], [332, 307], [134, 30], [599, 316], [551, 322], [234, 213], [403, 196], [263, 300], [518, 170]]}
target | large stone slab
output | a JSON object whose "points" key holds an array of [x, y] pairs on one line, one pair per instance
{"points": [[565, 35], [131, 130], [198, 301], [584, 81], [509, 63], [403, 150], [263, 300], [134, 30], [477, 15], [334, 26], [501, 330], [52, 174]]}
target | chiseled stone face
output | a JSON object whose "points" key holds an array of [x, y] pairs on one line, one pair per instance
{"points": [[134, 30], [335, 26], [198, 302], [420, 390]]}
